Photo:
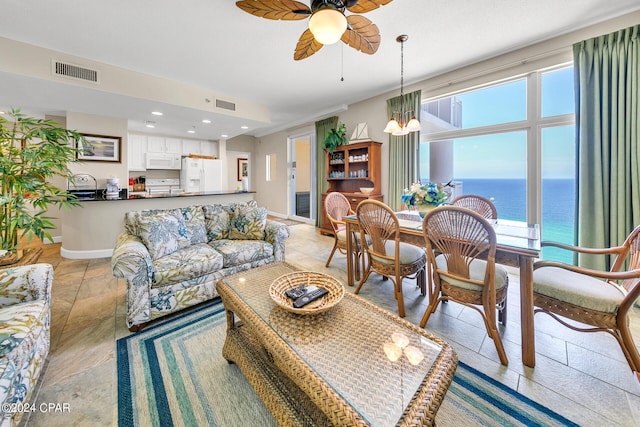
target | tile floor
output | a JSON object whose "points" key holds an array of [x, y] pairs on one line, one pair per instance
{"points": [[582, 376]]}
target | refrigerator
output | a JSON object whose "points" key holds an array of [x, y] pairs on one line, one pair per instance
{"points": [[198, 175]]}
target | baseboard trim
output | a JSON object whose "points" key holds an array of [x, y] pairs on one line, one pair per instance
{"points": [[99, 253], [277, 215]]}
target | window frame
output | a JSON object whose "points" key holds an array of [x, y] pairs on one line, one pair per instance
{"points": [[532, 125]]}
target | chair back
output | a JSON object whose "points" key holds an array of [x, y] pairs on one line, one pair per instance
{"points": [[478, 204], [628, 259], [337, 206], [461, 236], [380, 223]]}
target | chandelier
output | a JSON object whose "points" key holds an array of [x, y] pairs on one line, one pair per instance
{"points": [[399, 124]]}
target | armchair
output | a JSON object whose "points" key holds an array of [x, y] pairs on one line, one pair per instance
{"points": [[599, 299], [25, 305]]}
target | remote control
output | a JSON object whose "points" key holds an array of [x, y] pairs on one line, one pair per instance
{"points": [[309, 296], [295, 293]]}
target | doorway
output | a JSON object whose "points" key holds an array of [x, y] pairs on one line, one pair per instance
{"points": [[302, 172]]}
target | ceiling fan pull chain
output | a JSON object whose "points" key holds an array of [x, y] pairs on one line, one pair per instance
{"points": [[342, 62]]}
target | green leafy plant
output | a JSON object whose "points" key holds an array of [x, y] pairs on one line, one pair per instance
{"points": [[32, 152], [335, 138]]}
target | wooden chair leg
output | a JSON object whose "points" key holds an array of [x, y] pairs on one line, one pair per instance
{"points": [[400, 297], [629, 348], [333, 251]]}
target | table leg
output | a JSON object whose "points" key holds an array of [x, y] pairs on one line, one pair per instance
{"points": [[349, 257], [526, 311]]}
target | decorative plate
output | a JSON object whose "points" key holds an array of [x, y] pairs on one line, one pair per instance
{"points": [[308, 278]]}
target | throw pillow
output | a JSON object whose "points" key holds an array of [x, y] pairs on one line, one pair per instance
{"points": [[248, 223], [217, 221], [193, 217], [163, 234]]}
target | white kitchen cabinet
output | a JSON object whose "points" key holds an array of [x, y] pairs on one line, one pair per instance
{"points": [[207, 148], [191, 146], [137, 150], [159, 144]]}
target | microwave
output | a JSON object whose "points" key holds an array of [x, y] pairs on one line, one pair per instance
{"points": [[163, 161]]}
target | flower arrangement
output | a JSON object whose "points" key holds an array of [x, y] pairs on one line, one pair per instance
{"points": [[429, 194]]}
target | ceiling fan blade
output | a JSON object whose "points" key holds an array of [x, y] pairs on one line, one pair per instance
{"points": [[307, 46], [363, 6], [285, 10], [362, 34]]}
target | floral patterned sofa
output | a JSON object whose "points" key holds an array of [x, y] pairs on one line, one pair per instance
{"points": [[172, 259], [25, 310]]}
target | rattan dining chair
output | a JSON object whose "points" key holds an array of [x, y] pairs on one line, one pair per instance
{"points": [[386, 254], [336, 207], [461, 248], [479, 204], [596, 298]]}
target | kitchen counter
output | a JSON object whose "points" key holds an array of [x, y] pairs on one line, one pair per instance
{"points": [[91, 229], [124, 195]]}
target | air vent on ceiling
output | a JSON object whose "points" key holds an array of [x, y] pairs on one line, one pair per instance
{"points": [[225, 105], [65, 69]]}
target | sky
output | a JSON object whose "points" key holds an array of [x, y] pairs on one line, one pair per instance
{"points": [[504, 155]]}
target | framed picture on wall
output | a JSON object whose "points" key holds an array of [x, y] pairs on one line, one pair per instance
{"points": [[243, 168], [100, 148]]}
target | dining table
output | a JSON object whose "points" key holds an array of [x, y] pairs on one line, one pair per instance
{"points": [[517, 245]]}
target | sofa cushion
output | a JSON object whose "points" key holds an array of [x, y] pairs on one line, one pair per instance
{"points": [[237, 252], [248, 223], [163, 233], [217, 221], [189, 263], [20, 326]]}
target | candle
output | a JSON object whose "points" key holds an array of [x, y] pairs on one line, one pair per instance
{"points": [[414, 355], [400, 339], [392, 351]]}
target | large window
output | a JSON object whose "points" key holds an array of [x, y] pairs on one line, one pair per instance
{"points": [[483, 140]]}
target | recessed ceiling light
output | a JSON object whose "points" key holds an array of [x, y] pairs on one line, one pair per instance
{"points": [[150, 126], [206, 121], [224, 135], [156, 113], [191, 131], [244, 127]]}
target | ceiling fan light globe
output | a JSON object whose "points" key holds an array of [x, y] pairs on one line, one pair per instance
{"points": [[327, 25], [392, 126], [414, 125]]}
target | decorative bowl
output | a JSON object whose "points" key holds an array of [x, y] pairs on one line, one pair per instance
{"points": [[366, 190], [308, 278]]}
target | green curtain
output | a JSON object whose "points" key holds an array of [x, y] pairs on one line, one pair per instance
{"points": [[403, 150], [322, 127], [607, 79]]}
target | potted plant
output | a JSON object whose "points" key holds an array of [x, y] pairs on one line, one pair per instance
{"points": [[32, 152], [335, 138]]}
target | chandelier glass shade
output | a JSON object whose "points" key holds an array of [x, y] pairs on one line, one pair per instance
{"points": [[327, 25], [402, 122]]}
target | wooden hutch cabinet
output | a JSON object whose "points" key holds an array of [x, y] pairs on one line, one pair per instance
{"points": [[349, 168]]}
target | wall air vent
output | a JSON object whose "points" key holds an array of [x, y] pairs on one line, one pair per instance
{"points": [[225, 105], [65, 69]]}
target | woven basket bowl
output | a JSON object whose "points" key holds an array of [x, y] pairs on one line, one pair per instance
{"points": [[307, 278]]}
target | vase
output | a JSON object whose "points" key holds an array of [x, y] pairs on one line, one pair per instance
{"points": [[424, 208]]}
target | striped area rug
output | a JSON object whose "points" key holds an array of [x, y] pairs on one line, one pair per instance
{"points": [[173, 374]]}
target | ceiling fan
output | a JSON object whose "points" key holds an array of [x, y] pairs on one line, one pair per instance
{"points": [[327, 23]]}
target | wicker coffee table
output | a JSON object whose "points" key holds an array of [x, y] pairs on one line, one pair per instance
{"points": [[331, 368]]}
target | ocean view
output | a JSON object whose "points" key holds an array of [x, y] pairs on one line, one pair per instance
{"points": [[509, 197]]}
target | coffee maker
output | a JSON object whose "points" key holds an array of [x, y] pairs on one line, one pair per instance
{"points": [[112, 191]]}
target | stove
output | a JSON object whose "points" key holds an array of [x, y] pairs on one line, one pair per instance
{"points": [[163, 185]]}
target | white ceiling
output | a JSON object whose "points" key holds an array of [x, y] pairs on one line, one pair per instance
{"points": [[214, 45]]}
